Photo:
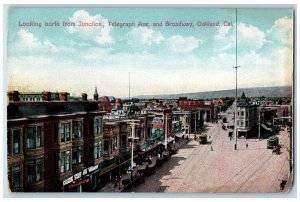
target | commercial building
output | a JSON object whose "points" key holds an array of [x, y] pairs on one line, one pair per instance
{"points": [[191, 121], [53, 145], [63, 145], [207, 108], [247, 118]]}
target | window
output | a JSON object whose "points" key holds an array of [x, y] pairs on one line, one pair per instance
{"points": [[138, 135], [8, 143], [16, 139], [65, 129], [33, 137], [106, 146], [247, 124], [65, 161], [15, 178], [114, 143], [123, 127], [34, 170], [242, 113], [38, 137], [124, 141], [30, 138], [77, 155], [98, 126], [97, 150], [77, 129], [157, 133], [111, 145]]}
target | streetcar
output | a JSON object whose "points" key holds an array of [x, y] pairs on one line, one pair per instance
{"points": [[203, 138], [272, 142]]}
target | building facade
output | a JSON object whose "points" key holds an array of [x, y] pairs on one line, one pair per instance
{"points": [[207, 108], [52, 146], [247, 118]]}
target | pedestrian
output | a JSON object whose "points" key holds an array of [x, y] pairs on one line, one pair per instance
{"points": [[211, 148], [247, 146], [116, 182]]}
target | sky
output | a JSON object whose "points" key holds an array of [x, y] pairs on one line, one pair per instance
{"points": [[160, 59]]}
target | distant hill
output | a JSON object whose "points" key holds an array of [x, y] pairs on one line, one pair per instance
{"points": [[280, 91]]}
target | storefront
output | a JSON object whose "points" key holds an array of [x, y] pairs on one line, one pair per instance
{"points": [[84, 181]]}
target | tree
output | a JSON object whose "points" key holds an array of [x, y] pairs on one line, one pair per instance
{"points": [[133, 109]]}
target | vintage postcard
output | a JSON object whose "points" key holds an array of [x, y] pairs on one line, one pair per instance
{"points": [[149, 99]]}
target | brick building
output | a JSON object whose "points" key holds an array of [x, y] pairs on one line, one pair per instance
{"points": [[207, 108], [63, 145], [52, 145]]}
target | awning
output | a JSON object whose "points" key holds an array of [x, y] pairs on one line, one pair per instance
{"points": [[179, 135], [265, 127], [170, 139], [78, 182]]}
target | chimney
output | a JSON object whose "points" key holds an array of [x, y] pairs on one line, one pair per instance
{"points": [[63, 96], [47, 96], [13, 96], [84, 96]]}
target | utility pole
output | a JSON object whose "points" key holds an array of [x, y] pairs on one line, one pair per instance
{"points": [[129, 87], [258, 122], [132, 140], [235, 115], [166, 131], [195, 122]]}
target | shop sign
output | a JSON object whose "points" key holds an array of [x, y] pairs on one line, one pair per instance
{"points": [[84, 172], [77, 176], [93, 168], [68, 181]]}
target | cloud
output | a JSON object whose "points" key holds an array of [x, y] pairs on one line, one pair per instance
{"points": [[224, 39], [100, 35], [249, 38], [282, 32], [97, 54], [27, 41], [141, 38], [181, 44], [149, 69]]}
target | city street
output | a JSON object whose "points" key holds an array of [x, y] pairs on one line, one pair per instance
{"points": [[217, 167]]}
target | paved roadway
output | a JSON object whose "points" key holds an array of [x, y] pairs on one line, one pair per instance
{"points": [[195, 168]]}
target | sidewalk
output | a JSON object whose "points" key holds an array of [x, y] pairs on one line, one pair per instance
{"points": [[115, 186], [180, 143]]}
